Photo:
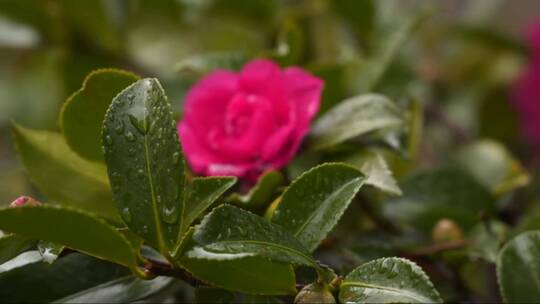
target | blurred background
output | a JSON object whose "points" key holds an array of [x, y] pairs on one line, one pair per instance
{"points": [[458, 59], [459, 63]]}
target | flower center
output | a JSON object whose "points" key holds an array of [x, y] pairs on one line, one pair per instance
{"points": [[240, 113]]}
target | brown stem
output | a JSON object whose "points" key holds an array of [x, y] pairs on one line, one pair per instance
{"points": [[439, 247], [158, 268]]}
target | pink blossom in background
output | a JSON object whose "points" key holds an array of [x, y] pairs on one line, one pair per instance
{"points": [[24, 201], [526, 91], [243, 123]]}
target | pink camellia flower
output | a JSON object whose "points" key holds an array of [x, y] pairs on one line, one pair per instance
{"points": [[244, 123], [526, 91]]}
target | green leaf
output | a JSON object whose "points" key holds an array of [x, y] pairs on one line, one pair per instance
{"points": [[261, 194], [388, 280], [375, 168], [145, 164], [123, 290], [493, 166], [240, 233], [487, 239], [82, 115], [316, 200], [12, 245], [518, 269], [441, 193], [201, 194], [354, 117], [62, 175], [360, 15], [49, 251], [237, 272], [204, 294], [48, 282], [384, 52], [73, 228], [199, 65]]}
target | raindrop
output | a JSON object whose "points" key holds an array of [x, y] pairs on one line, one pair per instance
{"points": [[170, 215], [145, 229], [140, 173], [120, 127], [139, 123], [108, 140], [126, 215], [176, 157], [130, 136]]}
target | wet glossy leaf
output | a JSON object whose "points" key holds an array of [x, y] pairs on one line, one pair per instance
{"points": [[62, 175], [12, 245], [145, 164], [123, 290], [48, 282], [493, 166], [316, 200], [201, 194], [236, 271], [240, 233], [388, 280], [49, 251], [376, 170], [73, 228], [517, 269], [354, 117], [82, 114], [262, 193]]}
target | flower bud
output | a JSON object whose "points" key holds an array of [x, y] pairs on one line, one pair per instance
{"points": [[24, 201], [315, 293], [446, 230]]}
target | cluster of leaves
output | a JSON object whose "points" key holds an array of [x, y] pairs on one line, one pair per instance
{"points": [[124, 219]]}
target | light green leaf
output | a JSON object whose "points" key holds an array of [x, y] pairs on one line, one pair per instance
{"points": [[487, 240], [261, 194], [316, 200], [518, 269], [123, 290], [239, 233], [201, 194], [82, 115], [493, 166], [376, 170], [73, 228], [62, 175], [12, 245], [145, 164], [49, 251], [199, 65], [354, 117], [237, 272], [388, 280]]}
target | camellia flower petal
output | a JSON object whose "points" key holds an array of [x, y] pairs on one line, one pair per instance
{"points": [[244, 123]]}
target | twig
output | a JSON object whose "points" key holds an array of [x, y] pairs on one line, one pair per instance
{"points": [[158, 268], [439, 247]]}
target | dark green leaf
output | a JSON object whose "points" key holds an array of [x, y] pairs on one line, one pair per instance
{"points": [[262, 193], [316, 200], [240, 233], [388, 280], [201, 194], [354, 117], [49, 251], [73, 228], [204, 294], [241, 272], [518, 266], [62, 175], [360, 14], [12, 245], [41, 282], [123, 290], [82, 114], [145, 164]]}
